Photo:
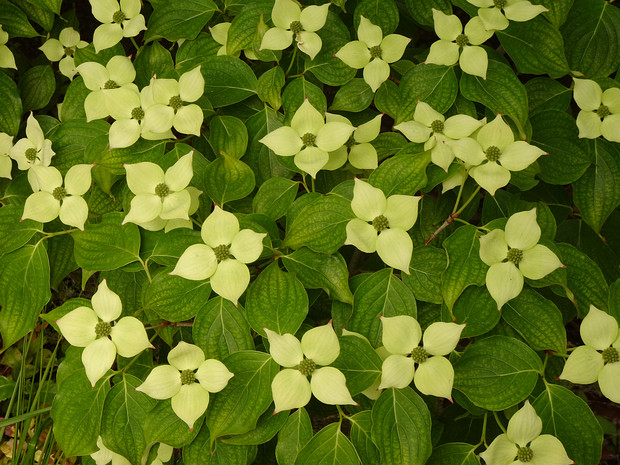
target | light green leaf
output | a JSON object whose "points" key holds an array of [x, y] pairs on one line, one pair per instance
{"points": [[274, 197], [296, 92], [267, 427], [270, 85], [402, 174], [355, 96], [14, 21], [328, 446], [228, 178], [228, 80], [295, 434], [361, 424], [13, 232], [359, 362], [202, 451]]}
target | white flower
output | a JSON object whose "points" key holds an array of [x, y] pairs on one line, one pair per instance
{"points": [[357, 149], [490, 12], [119, 20], [63, 50], [318, 348], [95, 329], [32, 150], [7, 60], [187, 381], [600, 111], [6, 165]]}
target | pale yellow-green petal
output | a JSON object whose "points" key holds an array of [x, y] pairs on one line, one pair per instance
{"points": [[589, 124], [52, 49], [77, 179], [524, 426], [496, 133], [219, 228], [523, 11], [493, 19], [474, 60], [106, 36], [502, 451], [74, 211], [369, 33], [522, 230], [587, 94], [144, 208], [368, 131], [130, 7], [142, 178], [362, 235], [219, 32], [179, 175], [476, 32], [106, 303], [328, 385], [158, 118], [443, 52], [124, 133], [121, 70], [285, 349], [538, 262], [129, 337], [549, 450], [397, 371], [468, 150], [493, 247], [426, 115], [459, 126], [290, 389], [247, 245], [198, 262], [504, 282], [103, 10], [188, 119], [186, 356], [164, 90], [132, 27], [41, 206], [176, 206], [519, 155], [307, 119], [441, 338], [120, 102], [402, 211], [376, 73], [598, 329], [490, 176], [364, 157], [78, 326], [332, 136], [354, 54], [311, 160], [98, 357], [230, 280], [276, 39], [395, 247], [163, 382], [611, 99], [190, 402], [441, 153], [435, 377], [283, 141], [393, 47], [608, 381], [447, 27], [337, 158], [94, 74], [401, 334], [313, 17], [368, 201], [213, 375], [320, 344], [191, 85], [414, 131], [284, 13], [610, 128]]}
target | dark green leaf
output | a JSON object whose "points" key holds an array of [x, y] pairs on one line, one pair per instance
{"points": [[270, 85], [359, 362], [328, 446], [267, 427], [454, 454], [13, 232], [228, 80], [228, 135], [228, 178], [71, 140], [477, 308], [402, 174], [14, 21], [274, 197], [296, 92], [152, 60], [422, 10], [163, 425], [11, 108], [203, 451], [295, 434], [427, 265], [432, 84], [383, 13], [547, 94], [355, 95], [73, 103], [361, 424], [173, 21], [36, 86]]}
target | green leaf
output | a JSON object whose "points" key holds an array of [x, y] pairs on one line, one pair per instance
{"points": [[328, 446], [276, 300], [173, 21], [243, 29], [422, 10], [295, 434], [73, 103], [36, 86], [171, 245], [270, 85], [274, 197], [51, 5], [388, 98], [317, 270], [195, 52], [432, 84], [236, 409], [228, 178], [71, 140], [556, 133], [163, 425], [320, 225], [359, 362], [11, 109], [568, 417], [152, 60], [175, 298], [476, 307], [123, 419], [427, 265], [465, 268], [383, 13], [403, 174], [202, 451], [228, 135], [220, 329], [454, 453], [381, 293], [39, 15], [497, 372], [14, 21], [228, 80], [361, 424], [62, 261], [107, 245], [401, 427], [13, 232], [86, 54], [355, 95], [537, 319], [535, 47], [77, 411], [547, 94], [501, 92], [143, 150], [296, 92], [592, 38], [597, 192], [267, 427]]}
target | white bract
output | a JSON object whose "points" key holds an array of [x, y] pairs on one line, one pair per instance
{"points": [[456, 45], [513, 254], [158, 194], [119, 20], [104, 455], [382, 224], [102, 337], [401, 337], [318, 348], [597, 360], [373, 52], [490, 12], [223, 256], [357, 149], [6, 165], [433, 130], [164, 454], [63, 50], [309, 139], [494, 153], [7, 60], [290, 20], [187, 381], [53, 200], [600, 111], [522, 443]]}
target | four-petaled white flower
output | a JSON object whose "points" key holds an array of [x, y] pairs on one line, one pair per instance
{"points": [[158, 194], [433, 130], [358, 149], [494, 153], [7, 60], [373, 52], [187, 381], [490, 12], [599, 359], [309, 139], [63, 49], [513, 254], [523, 443], [382, 224], [6, 165], [290, 20], [223, 256], [95, 329], [434, 375], [54, 200], [318, 348], [454, 43], [600, 111], [119, 20]]}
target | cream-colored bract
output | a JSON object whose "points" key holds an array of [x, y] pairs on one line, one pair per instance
{"points": [[490, 12], [600, 111]]}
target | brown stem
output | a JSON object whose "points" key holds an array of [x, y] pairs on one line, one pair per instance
{"points": [[445, 224]]}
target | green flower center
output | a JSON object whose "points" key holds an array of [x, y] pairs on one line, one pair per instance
{"points": [[493, 153], [31, 154], [462, 40], [69, 51], [308, 139], [137, 113], [162, 190], [499, 3], [175, 102], [611, 355], [119, 17], [110, 84], [296, 27], [103, 329], [306, 367], [59, 193], [437, 126], [188, 377], [419, 355], [222, 252], [380, 223], [525, 454], [515, 255], [603, 111], [376, 52], [350, 142]]}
